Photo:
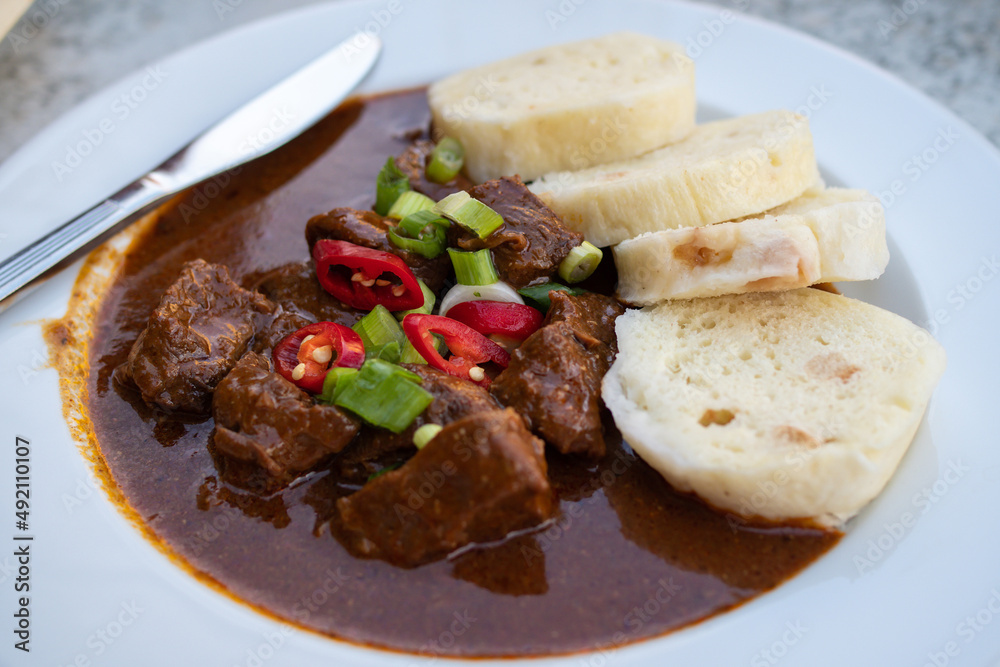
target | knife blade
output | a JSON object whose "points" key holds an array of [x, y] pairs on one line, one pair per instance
{"points": [[265, 123]]}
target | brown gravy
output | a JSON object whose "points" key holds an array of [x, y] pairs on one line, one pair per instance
{"points": [[629, 558]]}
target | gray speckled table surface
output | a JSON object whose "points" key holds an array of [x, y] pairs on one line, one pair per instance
{"points": [[950, 50]]}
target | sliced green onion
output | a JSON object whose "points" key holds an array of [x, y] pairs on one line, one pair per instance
{"points": [[580, 263], [409, 202], [446, 160], [429, 245], [452, 203], [426, 309], [538, 295], [422, 232], [409, 355], [383, 471], [414, 224], [336, 379], [471, 213], [379, 331], [389, 185], [473, 268], [389, 352], [343, 377], [385, 395], [425, 434], [406, 375]]}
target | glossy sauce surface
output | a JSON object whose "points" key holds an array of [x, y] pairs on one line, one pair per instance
{"points": [[628, 559]]}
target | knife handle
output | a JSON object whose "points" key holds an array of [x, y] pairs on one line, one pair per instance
{"points": [[31, 262]]}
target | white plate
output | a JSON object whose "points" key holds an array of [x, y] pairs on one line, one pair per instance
{"points": [[102, 595]]}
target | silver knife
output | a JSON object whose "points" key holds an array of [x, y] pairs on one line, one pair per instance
{"points": [[266, 122]]}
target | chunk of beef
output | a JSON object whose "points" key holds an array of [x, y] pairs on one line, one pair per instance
{"points": [[413, 162], [532, 242], [590, 315], [377, 447], [481, 478], [283, 324], [369, 229], [454, 398], [296, 289], [554, 378], [202, 326], [301, 300], [262, 418], [554, 381]]}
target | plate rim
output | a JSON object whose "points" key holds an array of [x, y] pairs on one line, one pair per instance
{"points": [[980, 141]]}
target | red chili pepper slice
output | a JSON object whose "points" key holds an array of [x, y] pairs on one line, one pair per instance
{"points": [[346, 349], [509, 320], [469, 348], [364, 278]]}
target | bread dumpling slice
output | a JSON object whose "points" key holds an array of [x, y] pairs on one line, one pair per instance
{"points": [[721, 171], [567, 106], [823, 236], [778, 405]]}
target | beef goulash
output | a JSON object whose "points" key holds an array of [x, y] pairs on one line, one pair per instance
{"points": [[365, 388], [519, 509]]}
